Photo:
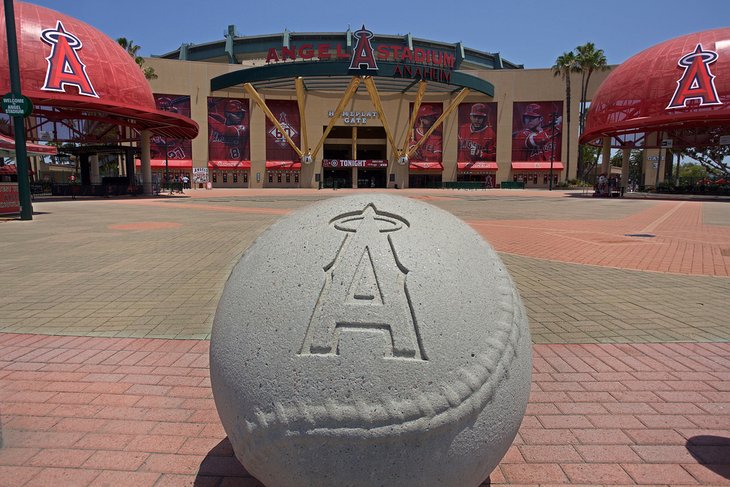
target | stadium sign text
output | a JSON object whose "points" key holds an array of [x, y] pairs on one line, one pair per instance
{"points": [[416, 63]]}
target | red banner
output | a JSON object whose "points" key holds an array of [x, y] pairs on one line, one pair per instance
{"points": [[354, 163], [9, 199], [477, 132], [537, 131], [537, 166], [431, 150], [229, 165], [426, 166], [477, 166], [228, 129], [283, 166], [176, 148], [287, 113]]}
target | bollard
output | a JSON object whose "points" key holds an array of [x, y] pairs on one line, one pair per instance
{"points": [[370, 340]]}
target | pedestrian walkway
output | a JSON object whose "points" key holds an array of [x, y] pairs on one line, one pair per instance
{"points": [[107, 306]]}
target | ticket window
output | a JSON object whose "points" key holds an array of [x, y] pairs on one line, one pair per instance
{"points": [[235, 177], [271, 177], [215, 176], [288, 178], [296, 177], [245, 177], [225, 177], [278, 177]]}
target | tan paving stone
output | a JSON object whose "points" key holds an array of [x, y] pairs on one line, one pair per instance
{"points": [[88, 278]]}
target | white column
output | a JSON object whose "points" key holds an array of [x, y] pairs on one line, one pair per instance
{"points": [[94, 166], [606, 157], [625, 167], [145, 158]]}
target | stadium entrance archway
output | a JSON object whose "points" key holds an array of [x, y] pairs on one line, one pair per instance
{"points": [[381, 157]]}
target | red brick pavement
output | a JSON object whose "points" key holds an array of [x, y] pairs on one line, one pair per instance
{"points": [[682, 243], [82, 411]]}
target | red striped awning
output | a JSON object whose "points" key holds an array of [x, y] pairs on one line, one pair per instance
{"points": [[477, 166], [283, 165], [426, 166], [229, 164], [7, 144], [12, 169], [539, 166], [171, 163]]}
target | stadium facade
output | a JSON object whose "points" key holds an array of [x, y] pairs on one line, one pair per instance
{"points": [[359, 109]]}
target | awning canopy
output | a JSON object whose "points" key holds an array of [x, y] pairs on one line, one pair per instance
{"points": [[229, 164], [345, 163], [7, 146], [426, 166], [11, 169], [82, 83], [283, 166], [336, 75], [678, 89], [477, 166], [539, 166], [171, 163]]}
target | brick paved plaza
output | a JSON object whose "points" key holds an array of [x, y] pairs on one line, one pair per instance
{"points": [[107, 306]]}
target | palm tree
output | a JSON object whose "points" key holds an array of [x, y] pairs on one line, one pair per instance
{"points": [[132, 49], [563, 67], [588, 60]]}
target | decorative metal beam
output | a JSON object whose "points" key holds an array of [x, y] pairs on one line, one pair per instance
{"points": [[416, 105], [375, 98], [260, 102], [454, 103], [299, 82], [349, 93]]}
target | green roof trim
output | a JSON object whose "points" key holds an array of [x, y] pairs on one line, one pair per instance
{"points": [[257, 46]]}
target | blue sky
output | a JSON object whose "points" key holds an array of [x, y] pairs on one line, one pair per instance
{"points": [[533, 33]]}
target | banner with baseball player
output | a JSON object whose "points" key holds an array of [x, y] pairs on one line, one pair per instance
{"points": [[176, 148], [228, 129], [477, 132], [287, 113], [432, 149], [537, 131]]}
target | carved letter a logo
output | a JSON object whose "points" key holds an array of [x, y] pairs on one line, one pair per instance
{"points": [[64, 65], [697, 82], [362, 55]]}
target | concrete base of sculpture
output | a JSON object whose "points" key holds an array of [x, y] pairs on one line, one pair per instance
{"points": [[371, 340]]}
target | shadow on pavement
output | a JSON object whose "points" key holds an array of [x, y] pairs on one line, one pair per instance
{"points": [[220, 463], [712, 452]]}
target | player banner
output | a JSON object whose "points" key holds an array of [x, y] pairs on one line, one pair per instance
{"points": [[432, 149], [228, 129], [176, 148], [477, 132], [287, 113], [536, 128]]}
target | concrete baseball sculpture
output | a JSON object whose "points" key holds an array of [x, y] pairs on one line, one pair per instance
{"points": [[370, 341]]}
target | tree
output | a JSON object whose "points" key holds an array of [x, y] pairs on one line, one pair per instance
{"points": [[132, 49], [691, 172], [716, 159], [636, 160], [636, 165], [564, 65], [588, 60], [590, 154]]}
